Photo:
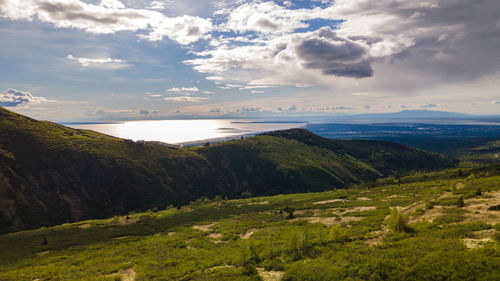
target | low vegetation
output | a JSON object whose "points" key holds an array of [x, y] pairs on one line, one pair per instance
{"points": [[396, 231]]}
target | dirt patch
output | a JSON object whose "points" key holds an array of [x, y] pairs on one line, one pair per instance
{"points": [[248, 234], [429, 215], [171, 233], [329, 201], [205, 227], [329, 221], [360, 209], [481, 238], [217, 267], [414, 207], [259, 203], [444, 195], [215, 235], [127, 275], [187, 209], [270, 275], [477, 208], [459, 185], [395, 196], [363, 199]]}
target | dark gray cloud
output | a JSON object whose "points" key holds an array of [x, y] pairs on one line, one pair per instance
{"points": [[14, 98], [266, 24], [334, 55]]}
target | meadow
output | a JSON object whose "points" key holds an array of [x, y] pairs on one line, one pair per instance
{"points": [[426, 226]]}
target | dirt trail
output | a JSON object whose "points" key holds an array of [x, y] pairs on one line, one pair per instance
{"points": [[248, 234]]}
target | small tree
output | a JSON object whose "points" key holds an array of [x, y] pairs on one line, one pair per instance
{"points": [[290, 211], [478, 192], [398, 222], [338, 234], [45, 241], [460, 202]]}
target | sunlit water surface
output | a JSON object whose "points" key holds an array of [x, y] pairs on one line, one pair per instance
{"points": [[182, 131]]}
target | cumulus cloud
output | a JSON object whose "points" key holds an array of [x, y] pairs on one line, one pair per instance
{"points": [[186, 99], [110, 16], [334, 55], [438, 41], [183, 89], [103, 63], [14, 98]]}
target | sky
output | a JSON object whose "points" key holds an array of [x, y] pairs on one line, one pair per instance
{"points": [[84, 60]]}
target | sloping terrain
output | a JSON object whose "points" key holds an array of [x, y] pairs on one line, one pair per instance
{"points": [[343, 234], [50, 174]]}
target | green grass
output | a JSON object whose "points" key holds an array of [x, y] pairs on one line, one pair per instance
{"points": [[163, 245]]}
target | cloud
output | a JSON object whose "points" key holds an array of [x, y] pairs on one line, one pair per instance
{"points": [[344, 107], [248, 109], [334, 55], [102, 63], [438, 41], [14, 98], [186, 99], [153, 95], [191, 89], [495, 102], [216, 110], [110, 16], [159, 5], [429, 105]]}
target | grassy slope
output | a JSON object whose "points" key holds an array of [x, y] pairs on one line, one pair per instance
{"points": [[170, 245], [51, 174]]}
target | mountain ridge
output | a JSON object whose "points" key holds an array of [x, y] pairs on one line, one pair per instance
{"points": [[51, 174]]}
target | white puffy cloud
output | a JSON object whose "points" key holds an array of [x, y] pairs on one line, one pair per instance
{"points": [[186, 99], [102, 63], [14, 98], [183, 89], [110, 16]]}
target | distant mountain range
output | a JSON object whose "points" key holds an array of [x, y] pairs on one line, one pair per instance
{"points": [[50, 174]]}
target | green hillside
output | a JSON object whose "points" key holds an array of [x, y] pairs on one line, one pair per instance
{"points": [[415, 230], [50, 174]]}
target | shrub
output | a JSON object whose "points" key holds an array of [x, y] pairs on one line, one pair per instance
{"points": [[397, 221], [429, 205], [494, 208], [338, 234], [460, 202]]}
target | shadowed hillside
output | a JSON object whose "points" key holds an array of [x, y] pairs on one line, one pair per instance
{"points": [[51, 174]]}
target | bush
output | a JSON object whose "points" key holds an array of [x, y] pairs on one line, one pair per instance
{"points": [[494, 208], [429, 205], [397, 221], [338, 234], [460, 202]]}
